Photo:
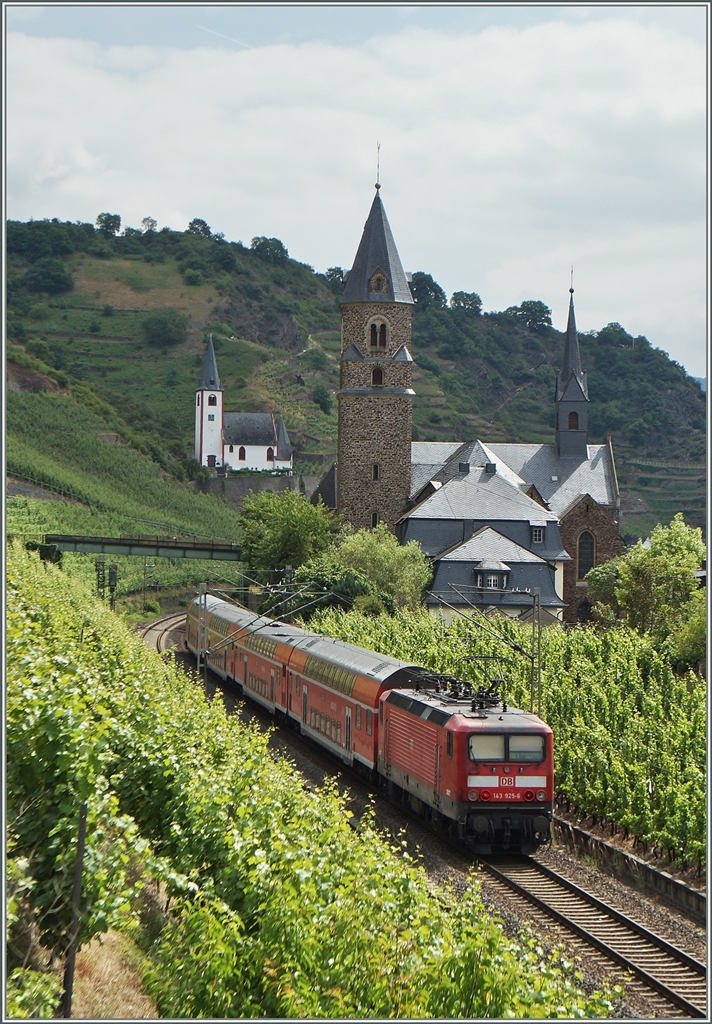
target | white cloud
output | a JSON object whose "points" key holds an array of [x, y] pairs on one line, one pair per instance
{"points": [[506, 155]]}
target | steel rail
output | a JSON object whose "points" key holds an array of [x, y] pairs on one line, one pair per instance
{"points": [[697, 972]]}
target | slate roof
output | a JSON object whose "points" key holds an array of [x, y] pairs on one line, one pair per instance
{"points": [[480, 495], [489, 546], [538, 463], [377, 251], [433, 452], [210, 381], [257, 428], [572, 361]]}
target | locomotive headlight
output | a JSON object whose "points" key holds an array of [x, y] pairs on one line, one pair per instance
{"points": [[485, 794], [472, 794], [541, 794], [528, 794]]}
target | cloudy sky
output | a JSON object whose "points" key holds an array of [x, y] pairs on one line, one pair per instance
{"points": [[515, 141]]}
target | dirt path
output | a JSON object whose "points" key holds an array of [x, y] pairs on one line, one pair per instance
{"points": [[107, 982]]}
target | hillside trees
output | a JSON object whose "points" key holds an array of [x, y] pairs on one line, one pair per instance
{"points": [[654, 589], [48, 275], [165, 328], [427, 292], [281, 529], [109, 224]]}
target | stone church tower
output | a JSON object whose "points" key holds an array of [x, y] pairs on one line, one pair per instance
{"points": [[375, 396], [572, 397]]}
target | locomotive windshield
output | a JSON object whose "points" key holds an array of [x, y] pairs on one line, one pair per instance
{"points": [[512, 747]]}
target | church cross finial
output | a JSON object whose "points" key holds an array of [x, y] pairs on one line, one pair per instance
{"points": [[378, 165], [571, 288]]}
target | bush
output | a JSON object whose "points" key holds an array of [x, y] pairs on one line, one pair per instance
{"points": [[192, 277], [48, 275], [322, 398], [165, 327]]}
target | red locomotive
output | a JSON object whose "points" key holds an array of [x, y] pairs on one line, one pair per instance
{"points": [[459, 757]]}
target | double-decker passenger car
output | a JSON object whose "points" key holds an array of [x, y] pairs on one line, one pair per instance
{"points": [[461, 758]]}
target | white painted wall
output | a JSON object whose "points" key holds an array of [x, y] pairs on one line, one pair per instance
{"points": [[255, 458], [208, 441]]}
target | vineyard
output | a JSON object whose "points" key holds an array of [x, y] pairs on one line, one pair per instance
{"points": [[630, 735], [278, 908]]}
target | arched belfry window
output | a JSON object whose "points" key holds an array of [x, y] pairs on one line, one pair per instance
{"points": [[377, 377], [573, 421], [382, 336], [379, 282], [212, 400], [586, 553], [374, 335], [241, 454]]}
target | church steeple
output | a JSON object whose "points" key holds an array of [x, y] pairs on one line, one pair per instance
{"points": [[375, 397], [377, 274], [572, 396], [210, 381]]}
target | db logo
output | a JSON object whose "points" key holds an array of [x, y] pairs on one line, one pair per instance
{"points": [[505, 780]]}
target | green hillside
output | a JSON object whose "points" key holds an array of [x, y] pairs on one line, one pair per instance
{"points": [[80, 303]]}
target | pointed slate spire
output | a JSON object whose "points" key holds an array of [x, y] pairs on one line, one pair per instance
{"points": [[377, 252], [210, 381], [572, 357]]}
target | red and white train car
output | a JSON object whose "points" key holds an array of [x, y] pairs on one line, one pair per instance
{"points": [[464, 760]]}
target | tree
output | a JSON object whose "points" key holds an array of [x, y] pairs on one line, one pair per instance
{"points": [[402, 571], [109, 224], [427, 292], [199, 227], [149, 224], [335, 277], [271, 250], [283, 528], [340, 587], [652, 588], [470, 302], [322, 398], [48, 275], [165, 327], [535, 315]]}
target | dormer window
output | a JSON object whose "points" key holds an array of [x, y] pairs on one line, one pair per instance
{"points": [[212, 400], [377, 377], [537, 534], [378, 282]]}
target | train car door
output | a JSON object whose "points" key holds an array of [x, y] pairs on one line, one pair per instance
{"points": [[305, 707], [348, 730]]}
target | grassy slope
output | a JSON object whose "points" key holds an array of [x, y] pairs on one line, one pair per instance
{"points": [[276, 330]]}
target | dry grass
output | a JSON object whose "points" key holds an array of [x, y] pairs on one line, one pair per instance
{"points": [[107, 982]]}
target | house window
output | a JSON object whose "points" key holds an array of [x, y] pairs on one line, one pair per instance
{"points": [[231, 448], [211, 416], [374, 335], [377, 377], [573, 421], [382, 336], [586, 553], [241, 454], [212, 400], [537, 534], [374, 471], [374, 520], [197, 399], [270, 454], [491, 581], [478, 579]]}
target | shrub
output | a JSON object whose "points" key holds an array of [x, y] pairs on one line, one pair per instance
{"points": [[165, 327]]}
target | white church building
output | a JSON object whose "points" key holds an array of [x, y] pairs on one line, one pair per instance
{"points": [[236, 440]]}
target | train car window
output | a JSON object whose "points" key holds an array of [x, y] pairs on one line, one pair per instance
{"points": [[526, 748], [449, 744], [486, 747], [358, 717], [369, 721]]}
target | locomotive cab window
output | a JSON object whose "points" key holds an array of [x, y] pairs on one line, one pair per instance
{"points": [[526, 748], [449, 744], [486, 747]]}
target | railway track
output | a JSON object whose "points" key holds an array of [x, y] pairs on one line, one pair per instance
{"points": [[655, 964], [157, 634], [667, 979]]}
